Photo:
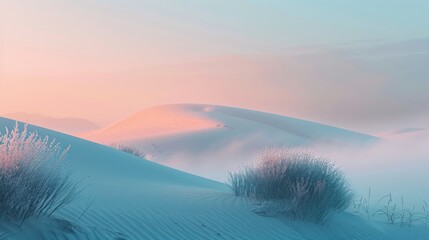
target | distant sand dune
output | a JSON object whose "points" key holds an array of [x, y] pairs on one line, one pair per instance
{"points": [[211, 140], [65, 125]]}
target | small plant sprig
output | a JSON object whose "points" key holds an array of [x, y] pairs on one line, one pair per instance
{"points": [[388, 210], [391, 212], [411, 216], [362, 206], [425, 214]]}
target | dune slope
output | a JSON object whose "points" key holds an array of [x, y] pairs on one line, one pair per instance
{"points": [[212, 140], [132, 198]]}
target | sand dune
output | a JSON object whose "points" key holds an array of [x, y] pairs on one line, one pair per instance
{"points": [[184, 118], [211, 140], [403, 134], [65, 125]]}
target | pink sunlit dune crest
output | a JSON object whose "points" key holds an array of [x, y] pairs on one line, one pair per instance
{"points": [[156, 121]]}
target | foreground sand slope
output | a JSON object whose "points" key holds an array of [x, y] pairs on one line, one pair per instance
{"points": [[137, 199]]}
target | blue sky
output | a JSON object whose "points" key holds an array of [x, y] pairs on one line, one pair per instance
{"points": [[260, 26]]}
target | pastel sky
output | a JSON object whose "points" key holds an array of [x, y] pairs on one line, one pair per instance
{"points": [[361, 65]]}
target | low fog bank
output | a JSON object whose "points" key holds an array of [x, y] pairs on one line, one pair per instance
{"points": [[398, 166]]}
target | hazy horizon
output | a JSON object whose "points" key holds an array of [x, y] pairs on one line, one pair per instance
{"points": [[360, 66]]}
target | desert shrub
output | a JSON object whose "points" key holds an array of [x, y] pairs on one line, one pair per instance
{"points": [[31, 180], [131, 150], [307, 187]]}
